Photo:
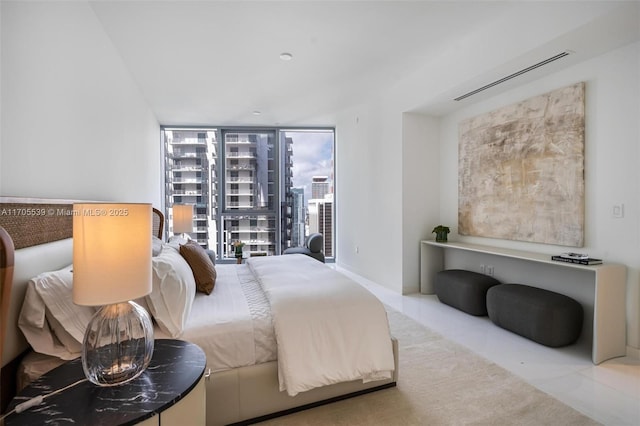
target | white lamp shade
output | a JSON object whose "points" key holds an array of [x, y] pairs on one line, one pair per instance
{"points": [[111, 252], [182, 218]]}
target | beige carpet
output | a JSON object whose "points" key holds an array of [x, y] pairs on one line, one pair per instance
{"points": [[442, 383]]}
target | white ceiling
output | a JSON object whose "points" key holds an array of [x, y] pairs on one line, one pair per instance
{"points": [[215, 62]]}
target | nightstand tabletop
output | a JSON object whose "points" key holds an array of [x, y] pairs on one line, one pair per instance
{"points": [[175, 369]]}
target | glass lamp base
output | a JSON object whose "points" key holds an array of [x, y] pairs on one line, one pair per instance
{"points": [[118, 344]]}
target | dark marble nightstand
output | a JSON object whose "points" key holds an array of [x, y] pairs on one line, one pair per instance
{"points": [[170, 391]]}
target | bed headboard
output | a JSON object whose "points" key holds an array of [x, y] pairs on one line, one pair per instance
{"points": [[33, 221], [36, 238]]}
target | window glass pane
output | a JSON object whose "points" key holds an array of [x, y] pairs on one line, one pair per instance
{"points": [[250, 167], [191, 178], [309, 156]]}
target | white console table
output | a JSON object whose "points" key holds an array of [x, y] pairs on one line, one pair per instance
{"points": [[608, 281]]}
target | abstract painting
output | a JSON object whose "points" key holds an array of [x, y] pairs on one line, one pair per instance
{"points": [[521, 170]]}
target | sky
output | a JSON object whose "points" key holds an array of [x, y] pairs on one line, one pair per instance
{"points": [[312, 156]]}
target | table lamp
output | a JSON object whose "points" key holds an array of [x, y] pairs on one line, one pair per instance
{"points": [[111, 267], [183, 219]]}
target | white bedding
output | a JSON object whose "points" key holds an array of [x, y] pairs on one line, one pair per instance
{"points": [[49, 319], [232, 325], [328, 328]]}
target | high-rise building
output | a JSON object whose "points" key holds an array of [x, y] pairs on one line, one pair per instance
{"points": [[319, 187], [286, 184], [321, 220], [299, 218], [191, 179]]}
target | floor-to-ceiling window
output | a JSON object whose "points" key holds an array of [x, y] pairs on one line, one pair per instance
{"points": [[312, 185], [265, 188]]}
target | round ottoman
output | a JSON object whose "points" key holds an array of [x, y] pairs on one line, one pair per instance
{"points": [[464, 290], [543, 316]]}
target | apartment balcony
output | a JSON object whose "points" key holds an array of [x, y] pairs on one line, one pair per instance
{"points": [[240, 205], [238, 167], [240, 180], [251, 229], [187, 169], [183, 193], [239, 142], [191, 185], [257, 242], [183, 181], [246, 192], [189, 141], [247, 155], [186, 155]]}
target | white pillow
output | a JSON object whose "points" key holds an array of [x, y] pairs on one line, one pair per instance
{"points": [[176, 241], [49, 320], [174, 289], [156, 245]]}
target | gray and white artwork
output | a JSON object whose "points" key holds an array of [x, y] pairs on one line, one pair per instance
{"points": [[521, 170]]}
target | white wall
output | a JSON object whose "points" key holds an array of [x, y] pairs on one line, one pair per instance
{"points": [[74, 124], [612, 155], [420, 191], [388, 192], [369, 192]]}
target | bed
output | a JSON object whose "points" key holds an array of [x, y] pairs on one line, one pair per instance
{"points": [[255, 372]]}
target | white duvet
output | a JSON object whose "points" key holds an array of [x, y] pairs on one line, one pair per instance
{"points": [[328, 328]]}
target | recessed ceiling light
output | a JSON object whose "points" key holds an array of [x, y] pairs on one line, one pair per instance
{"points": [[256, 112], [285, 56]]}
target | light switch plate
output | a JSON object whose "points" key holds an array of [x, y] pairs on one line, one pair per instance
{"points": [[618, 211]]}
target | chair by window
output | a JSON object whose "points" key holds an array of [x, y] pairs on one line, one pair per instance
{"points": [[312, 247]]}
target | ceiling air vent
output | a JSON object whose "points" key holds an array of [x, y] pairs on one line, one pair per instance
{"points": [[515, 74]]}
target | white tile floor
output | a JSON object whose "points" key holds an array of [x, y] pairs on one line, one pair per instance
{"points": [[608, 393]]}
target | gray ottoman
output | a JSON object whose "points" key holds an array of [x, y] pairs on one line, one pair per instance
{"points": [[464, 290], [543, 316]]}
